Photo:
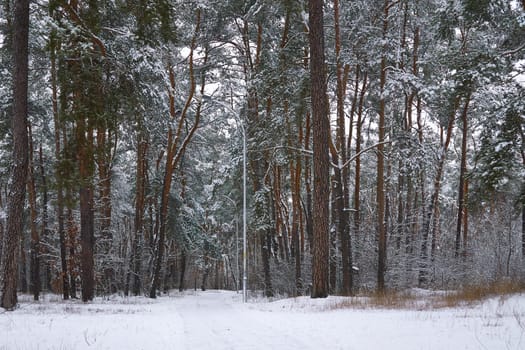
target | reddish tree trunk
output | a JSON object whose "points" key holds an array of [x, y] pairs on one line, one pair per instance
{"points": [[380, 200], [87, 217], [15, 208], [321, 127], [462, 176]]}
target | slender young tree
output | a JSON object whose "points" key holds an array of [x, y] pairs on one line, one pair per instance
{"points": [[321, 127], [20, 154]]}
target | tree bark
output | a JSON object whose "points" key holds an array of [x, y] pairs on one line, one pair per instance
{"points": [[59, 176], [23, 265], [44, 230], [34, 267], [140, 193], [87, 217], [462, 176], [182, 269], [17, 192], [523, 227], [380, 192], [434, 200], [308, 184], [321, 127], [1, 235], [103, 160], [175, 150], [341, 185], [359, 140]]}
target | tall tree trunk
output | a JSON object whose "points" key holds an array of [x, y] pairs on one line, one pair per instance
{"points": [[380, 200], [321, 128], [103, 159], [403, 177], [308, 183], [266, 248], [465, 220], [280, 216], [333, 252], [58, 173], [175, 149], [411, 196], [44, 230], [266, 234], [522, 197], [358, 144], [434, 200], [87, 217], [182, 269], [308, 163], [34, 281], [295, 189], [23, 266], [341, 181], [523, 226], [140, 193], [17, 192], [1, 234], [462, 176], [70, 240]]}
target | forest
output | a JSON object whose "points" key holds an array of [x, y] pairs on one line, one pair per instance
{"points": [[382, 143]]}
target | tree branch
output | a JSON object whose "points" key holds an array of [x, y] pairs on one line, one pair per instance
{"points": [[351, 159]]}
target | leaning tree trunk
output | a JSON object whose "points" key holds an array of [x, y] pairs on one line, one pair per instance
{"points": [[20, 155]]}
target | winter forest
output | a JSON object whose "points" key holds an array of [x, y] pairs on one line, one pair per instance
{"points": [[382, 143]]}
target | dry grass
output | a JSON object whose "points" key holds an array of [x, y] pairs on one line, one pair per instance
{"points": [[389, 300], [474, 294], [430, 300]]}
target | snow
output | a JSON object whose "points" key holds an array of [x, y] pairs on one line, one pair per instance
{"points": [[219, 320]]}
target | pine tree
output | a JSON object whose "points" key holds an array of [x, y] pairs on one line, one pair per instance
{"points": [[321, 163], [17, 193]]}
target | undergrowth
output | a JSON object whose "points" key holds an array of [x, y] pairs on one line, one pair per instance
{"points": [[419, 299]]}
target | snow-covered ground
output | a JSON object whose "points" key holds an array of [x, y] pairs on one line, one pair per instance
{"points": [[218, 320]]}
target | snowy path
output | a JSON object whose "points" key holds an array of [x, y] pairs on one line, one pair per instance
{"points": [[214, 322], [219, 321]]}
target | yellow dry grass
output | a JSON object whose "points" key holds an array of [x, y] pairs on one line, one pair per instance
{"points": [[429, 300]]}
